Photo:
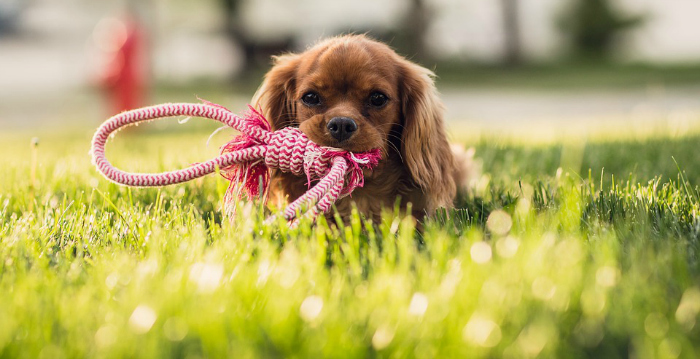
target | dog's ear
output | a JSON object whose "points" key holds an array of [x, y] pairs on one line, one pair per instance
{"points": [[275, 97], [425, 150]]}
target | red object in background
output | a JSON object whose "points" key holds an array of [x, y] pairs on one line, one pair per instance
{"points": [[124, 72]]}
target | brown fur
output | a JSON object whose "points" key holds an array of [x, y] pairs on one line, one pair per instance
{"points": [[417, 164]]}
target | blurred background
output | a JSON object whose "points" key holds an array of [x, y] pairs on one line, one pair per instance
{"points": [[550, 66]]}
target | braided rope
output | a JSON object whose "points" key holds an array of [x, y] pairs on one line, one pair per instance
{"points": [[339, 172]]}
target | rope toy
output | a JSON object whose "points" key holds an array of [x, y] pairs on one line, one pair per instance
{"points": [[247, 159]]}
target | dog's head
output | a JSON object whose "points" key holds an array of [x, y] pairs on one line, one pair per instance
{"points": [[357, 94]]}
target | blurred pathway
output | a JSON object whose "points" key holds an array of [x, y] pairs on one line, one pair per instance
{"points": [[571, 110], [495, 107]]}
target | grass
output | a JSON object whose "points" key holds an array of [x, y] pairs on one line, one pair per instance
{"points": [[567, 75], [546, 259]]}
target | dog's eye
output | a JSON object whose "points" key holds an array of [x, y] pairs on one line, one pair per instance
{"points": [[378, 99], [311, 99]]}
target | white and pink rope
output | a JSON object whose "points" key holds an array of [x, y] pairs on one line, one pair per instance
{"points": [[246, 160]]}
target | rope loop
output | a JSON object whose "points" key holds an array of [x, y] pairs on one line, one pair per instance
{"points": [[246, 160]]}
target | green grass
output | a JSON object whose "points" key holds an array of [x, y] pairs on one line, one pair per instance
{"points": [[545, 259], [566, 75]]}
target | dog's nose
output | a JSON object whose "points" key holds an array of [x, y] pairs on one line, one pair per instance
{"points": [[341, 128]]}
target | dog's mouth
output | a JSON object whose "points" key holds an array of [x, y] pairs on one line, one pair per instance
{"points": [[342, 145]]}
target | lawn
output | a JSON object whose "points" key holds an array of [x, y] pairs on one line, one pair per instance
{"points": [[564, 249]]}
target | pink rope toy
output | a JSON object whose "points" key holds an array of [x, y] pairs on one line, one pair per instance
{"points": [[248, 157]]}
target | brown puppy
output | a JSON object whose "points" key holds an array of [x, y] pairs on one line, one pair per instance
{"points": [[357, 94]]}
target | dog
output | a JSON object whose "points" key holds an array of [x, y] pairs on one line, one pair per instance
{"points": [[357, 94]]}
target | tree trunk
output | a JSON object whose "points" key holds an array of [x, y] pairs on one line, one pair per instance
{"points": [[416, 27], [511, 30]]}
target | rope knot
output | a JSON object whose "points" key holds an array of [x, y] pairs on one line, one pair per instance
{"points": [[287, 150]]}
